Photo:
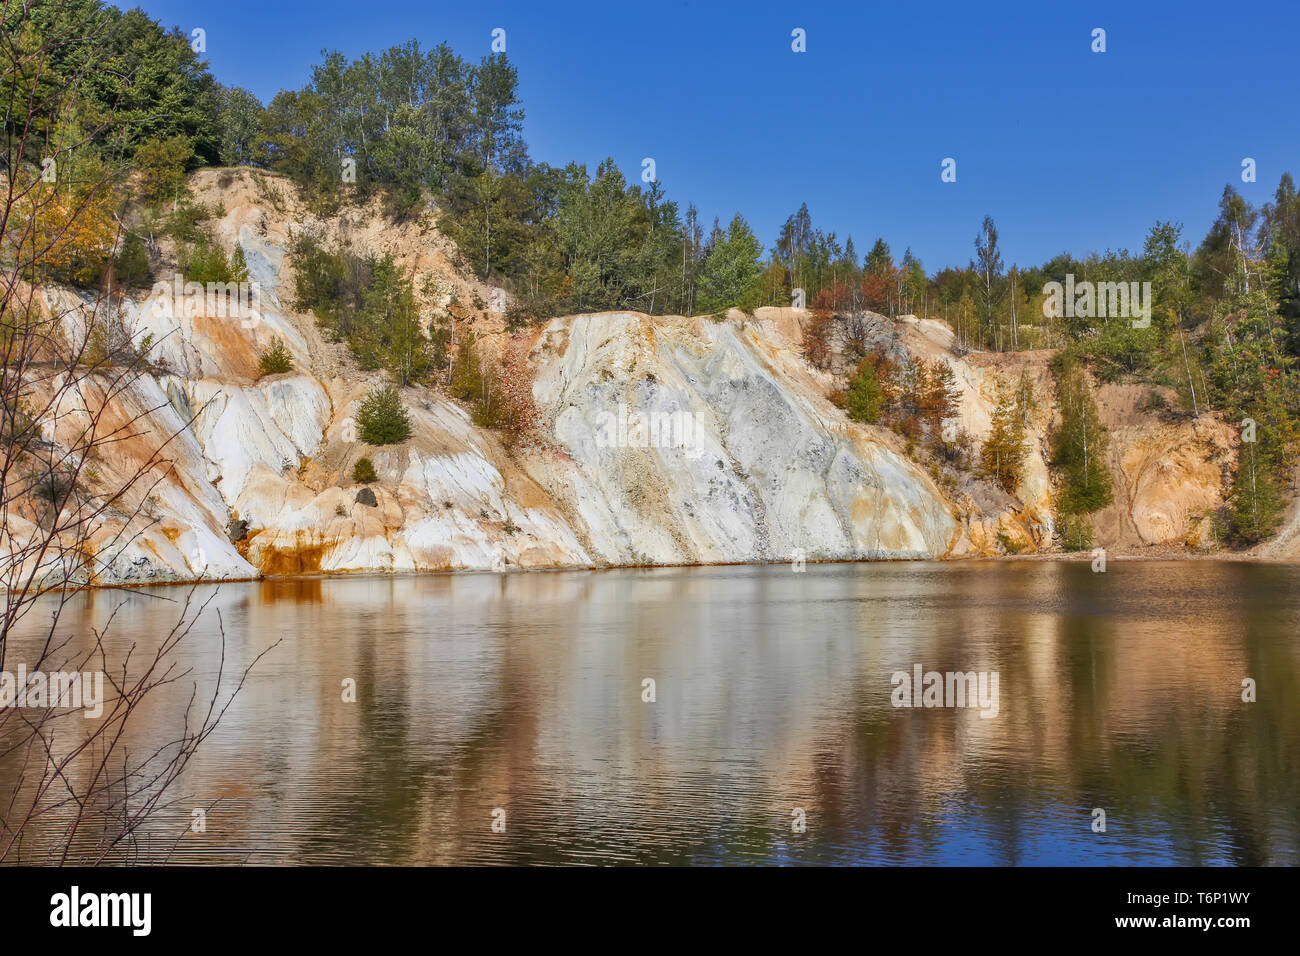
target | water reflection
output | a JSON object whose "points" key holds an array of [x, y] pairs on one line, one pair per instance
{"points": [[523, 692]]}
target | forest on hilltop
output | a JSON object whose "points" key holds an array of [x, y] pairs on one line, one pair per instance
{"points": [[428, 129]]}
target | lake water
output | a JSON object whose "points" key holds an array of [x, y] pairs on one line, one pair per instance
{"points": [[773, 706]]}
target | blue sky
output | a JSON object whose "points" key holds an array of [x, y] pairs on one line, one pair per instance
{"points": [[1067, 149]]}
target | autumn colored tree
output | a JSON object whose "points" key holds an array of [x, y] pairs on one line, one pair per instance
{"points": [[939, 395], [162, 165], [816, 338], [1003, 454], [877, 286], [69, 231]]}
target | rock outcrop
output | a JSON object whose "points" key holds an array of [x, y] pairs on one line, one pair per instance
{"points": [[656, 440]]}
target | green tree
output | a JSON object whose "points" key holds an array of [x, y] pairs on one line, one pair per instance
{"points": [[276, 360], [1255, 505], [496, 124], [204, 261], [879, 258], [238, 264], [988, 265], [363, 472], [240, 121], [485, 220], [466, 375], [1281, 239], [864, 398], [597, 226], [1079, 446], [383, 419], [388, 330], [733, 270], [133, 262]]}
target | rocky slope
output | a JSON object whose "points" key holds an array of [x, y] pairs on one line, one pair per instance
{"points": [[656, 440]]}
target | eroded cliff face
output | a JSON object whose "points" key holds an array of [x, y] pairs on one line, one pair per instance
{"points": [[750, 461], [1169, 475], [656, 440]]}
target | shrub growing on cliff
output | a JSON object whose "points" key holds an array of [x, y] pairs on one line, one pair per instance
{"points": [[328, 283], [466, 374], [276, 360], [204, 261], [816, 339], [389, 331], [54, 485], [238, 264], [862, 403], [383, 420], [133, 262], [940, 396], [470, 383], [366, 302], [363, 472], [1075, 531], [1079, 446]]}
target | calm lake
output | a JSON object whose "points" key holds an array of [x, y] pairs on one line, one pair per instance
{"points": [[772, 710]]}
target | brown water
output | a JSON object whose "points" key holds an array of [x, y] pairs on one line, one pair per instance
{"points": [[523, 692]]}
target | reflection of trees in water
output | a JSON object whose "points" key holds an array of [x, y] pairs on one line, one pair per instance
{"points": [[1117, 691], [1184, 769], [1088, 719]]}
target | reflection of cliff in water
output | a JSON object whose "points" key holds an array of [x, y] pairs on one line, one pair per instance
{"points": [[1119, 690]]}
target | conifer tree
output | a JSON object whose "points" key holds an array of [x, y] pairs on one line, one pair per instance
{"points": [[382, 419], [1002, 457], [864, 397], [1079, 447]]}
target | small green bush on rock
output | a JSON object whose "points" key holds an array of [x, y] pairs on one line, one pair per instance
{"points": [[276, 360], [363, 471]]}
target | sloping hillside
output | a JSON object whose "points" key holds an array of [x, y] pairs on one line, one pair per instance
{"points": [[654, 439]]}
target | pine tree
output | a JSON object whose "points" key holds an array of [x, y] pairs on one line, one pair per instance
{"points": [[864, 397], [1079, 447], [1003, 454], [382, 419], [939, 395], [133, 262], [1255, 504], [988, 262], [466, 376], [238, 265], [731, 273]]}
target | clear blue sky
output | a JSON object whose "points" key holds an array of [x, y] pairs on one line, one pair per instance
{"points": [[1067, 149]]}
